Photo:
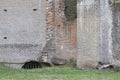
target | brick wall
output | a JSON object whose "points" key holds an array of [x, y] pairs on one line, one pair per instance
{"points": [[66, 33]]}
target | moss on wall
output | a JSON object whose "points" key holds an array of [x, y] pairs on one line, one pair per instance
{"points": [[70, 9]]}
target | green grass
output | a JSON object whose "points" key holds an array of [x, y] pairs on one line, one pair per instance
{"points": [[56, 74]]}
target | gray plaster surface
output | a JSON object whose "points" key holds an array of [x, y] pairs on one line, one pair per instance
{"points": [[22, 30], [88, 34]]}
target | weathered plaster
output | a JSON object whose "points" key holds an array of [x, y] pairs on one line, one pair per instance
{"points": [[88, 34], [22, 30]]}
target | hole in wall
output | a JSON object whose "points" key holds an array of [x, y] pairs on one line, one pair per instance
{"points": [[36, 45], [4, 37], [70, 9], [5, 10], [31, 65], [34, 9], [59, 25]]}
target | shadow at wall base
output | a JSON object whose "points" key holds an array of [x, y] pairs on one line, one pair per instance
{"points": [[27, 65]]}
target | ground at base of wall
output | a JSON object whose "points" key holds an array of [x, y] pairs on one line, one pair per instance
{"points": [[55, 73]]}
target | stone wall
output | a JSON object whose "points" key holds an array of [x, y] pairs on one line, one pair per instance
{"points": [[109, 36], [105, 32], [29, 27], [88, 33], [22, 22], [116, 31], [98, 35], [22, 30]]}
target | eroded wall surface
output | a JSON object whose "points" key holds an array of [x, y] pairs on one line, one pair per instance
{"points": [[66, 29]]}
